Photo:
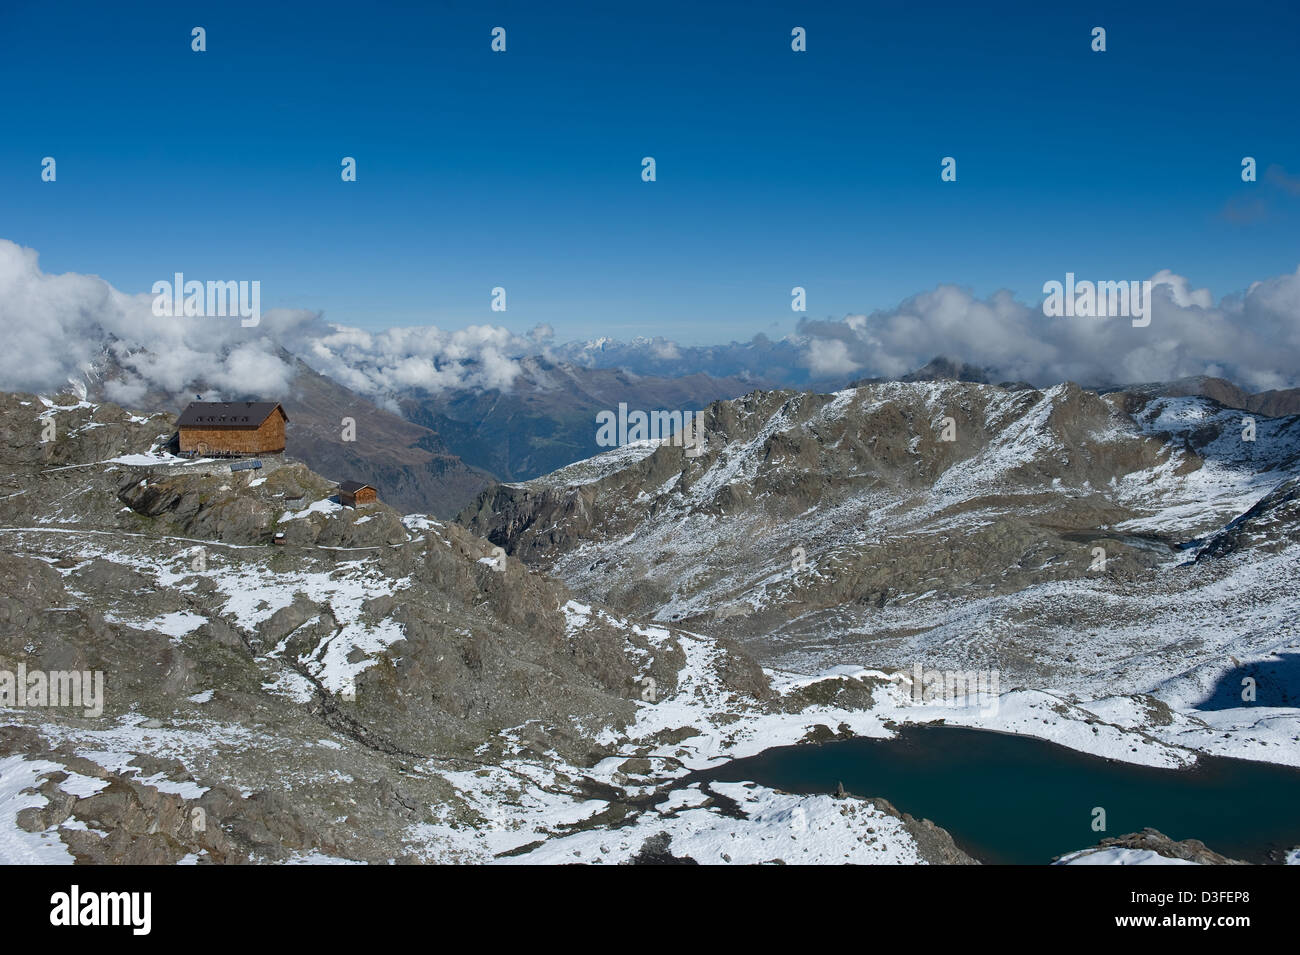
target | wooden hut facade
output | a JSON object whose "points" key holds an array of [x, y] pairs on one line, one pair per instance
{"points": [[354, 493], [232, 427]]}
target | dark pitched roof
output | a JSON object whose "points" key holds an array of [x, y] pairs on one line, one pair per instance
{"points": [[351, 487], [228, 414]]}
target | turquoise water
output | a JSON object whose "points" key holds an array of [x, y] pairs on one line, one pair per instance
{"points": [[1013, 799]]}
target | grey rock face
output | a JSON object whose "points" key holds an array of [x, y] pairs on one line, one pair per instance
{"points": [[313, 696], [1269, 526], [808, 517], [1189, 850], [346, 682]]}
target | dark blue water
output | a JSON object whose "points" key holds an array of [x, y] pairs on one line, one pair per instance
{"points": [[1013, 799]]}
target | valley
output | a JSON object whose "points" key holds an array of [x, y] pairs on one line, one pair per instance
{"points": [[333, 683]]}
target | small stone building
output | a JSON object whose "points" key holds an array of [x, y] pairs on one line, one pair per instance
{"points": [[354, 493], [232, 427]]}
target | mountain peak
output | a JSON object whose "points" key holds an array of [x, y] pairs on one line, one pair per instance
{"points": [[941, 368]]}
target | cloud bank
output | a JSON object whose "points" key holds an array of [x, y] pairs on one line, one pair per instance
{"points": [[1252, 339], [71, 326], [61, 327]]}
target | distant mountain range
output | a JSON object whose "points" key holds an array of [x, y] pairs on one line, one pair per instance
{"points": [[436, 451], [548, 419], [1272, 404], [761, 360]]}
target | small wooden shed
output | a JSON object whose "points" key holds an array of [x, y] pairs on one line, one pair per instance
{"points": [[354, 493], [232, 427]]}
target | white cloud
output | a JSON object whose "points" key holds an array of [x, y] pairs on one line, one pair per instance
{"points": [[60, 326], [1181, 291], [1252, 338], [830, 357], [477, 356], [665, 350]]}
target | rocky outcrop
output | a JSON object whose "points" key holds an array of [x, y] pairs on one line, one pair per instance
{"points": [[1152, 840], [1274, 403], [304, 694], [788, 478], [64, 431], [253, 507], [1269, 526], [934, 844]]}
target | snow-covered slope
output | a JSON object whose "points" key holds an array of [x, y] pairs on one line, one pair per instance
{"points": [[344, 693], [1073, 543], [379, 689]]}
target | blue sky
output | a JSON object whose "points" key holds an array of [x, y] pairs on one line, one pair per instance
{"points": [[522, 169]]}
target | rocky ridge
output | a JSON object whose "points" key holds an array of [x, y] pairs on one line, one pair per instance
{"points": [[374, 688]]}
